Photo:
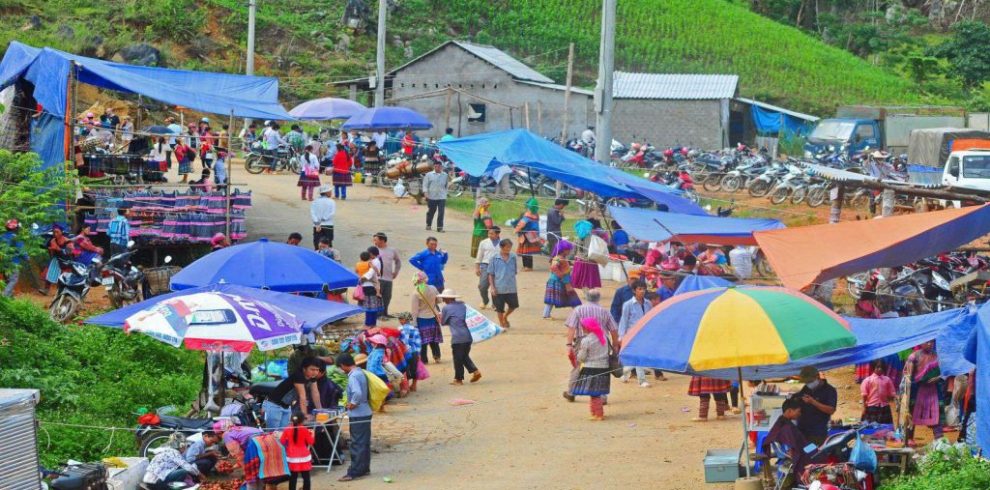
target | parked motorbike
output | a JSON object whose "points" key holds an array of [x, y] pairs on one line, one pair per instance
{"points": [[259, 160], [122, 280], [73, 286]]}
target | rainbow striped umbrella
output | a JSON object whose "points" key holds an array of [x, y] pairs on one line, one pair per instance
{"points": [[733, 327]]}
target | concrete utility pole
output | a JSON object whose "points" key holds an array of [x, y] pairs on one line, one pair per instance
{"points": [[252, 10], [603, 91], [567, 95], [380, 70]]}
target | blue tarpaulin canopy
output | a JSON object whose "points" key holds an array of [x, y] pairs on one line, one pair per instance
{"points": [[772, 120], [483, 153], [874, 339], [314, 313], [642, 224], [48, 70], [694, 282], [978, 351]]}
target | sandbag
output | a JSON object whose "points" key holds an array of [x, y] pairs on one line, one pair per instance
{"points": [[480, 326], [377, 391]]}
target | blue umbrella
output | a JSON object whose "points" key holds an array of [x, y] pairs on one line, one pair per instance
{"points": [[266, 265], [312, 313], [387, 118], [326, 109]]}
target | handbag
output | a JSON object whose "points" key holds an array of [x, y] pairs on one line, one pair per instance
{"points": [[614, 365], [358, 294], [597, 250], [312, 173]]}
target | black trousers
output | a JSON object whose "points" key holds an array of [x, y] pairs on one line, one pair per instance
{"points": [[462, 360], [527, 261], [325, 232], [294, 477], [434, 347], [386, 290], [412, 367], [435, 207]]}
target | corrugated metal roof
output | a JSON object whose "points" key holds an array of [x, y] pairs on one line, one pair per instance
{"points": [[554, 86], [502, 60], [674, 86]]}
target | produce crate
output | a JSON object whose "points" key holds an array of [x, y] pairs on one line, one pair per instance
{"points": [[158, 279]]}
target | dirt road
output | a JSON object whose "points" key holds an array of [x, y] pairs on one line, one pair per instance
{"points": [[520, 432]]}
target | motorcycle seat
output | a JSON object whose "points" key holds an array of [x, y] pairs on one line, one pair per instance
{"points": [[263, 390], [171, 422]]}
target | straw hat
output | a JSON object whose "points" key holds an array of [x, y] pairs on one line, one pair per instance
{"points": [[360, 359], [449, 294], [326, 189]]}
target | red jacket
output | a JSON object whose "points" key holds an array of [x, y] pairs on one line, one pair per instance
{"points": [[341, 162]]}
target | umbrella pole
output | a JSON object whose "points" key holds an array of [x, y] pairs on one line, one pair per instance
{"points": [[745, 428]]}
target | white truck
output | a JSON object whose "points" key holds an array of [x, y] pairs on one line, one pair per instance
{"points": [[968, 171]]}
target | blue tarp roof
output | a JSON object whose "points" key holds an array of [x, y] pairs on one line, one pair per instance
{"points": [[694, 282], [642, 224], [978, 350], [874, 339], [483, 153], [48, 69]]}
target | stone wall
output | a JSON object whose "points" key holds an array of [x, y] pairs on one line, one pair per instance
{"points": [[668, 123]]}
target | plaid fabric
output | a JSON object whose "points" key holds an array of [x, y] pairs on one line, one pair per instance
{"points": [[701, 385], [412, 338], [119, 231], [590, 310], [557, 295]]}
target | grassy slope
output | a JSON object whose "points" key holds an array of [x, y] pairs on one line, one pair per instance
{"points": [[296, 39]]}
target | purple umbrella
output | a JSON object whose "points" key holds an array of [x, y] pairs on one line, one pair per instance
{"points": [[387, 118], [326, 109]]}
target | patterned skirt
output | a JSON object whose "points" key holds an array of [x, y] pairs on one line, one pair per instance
{"points": [[593, 382], [558, 296], [585, 275], [701, 385], [342, 178], [371, 302], [429, 330], [305, 181], [185, 167], [880, 415], [527, 247]]}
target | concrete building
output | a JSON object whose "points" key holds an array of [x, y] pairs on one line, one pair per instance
{"points": [[674, 110], [474, 89]]}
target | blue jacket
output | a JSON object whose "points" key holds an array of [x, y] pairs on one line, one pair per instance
{"points": [[432, 265], [623, 294]]}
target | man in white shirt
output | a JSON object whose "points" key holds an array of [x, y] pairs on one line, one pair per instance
{"points": [[486, 250], [322, 212], [380, 138], [435, 189]]}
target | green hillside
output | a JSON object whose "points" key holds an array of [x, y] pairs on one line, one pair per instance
{"points": [[300, 41]]}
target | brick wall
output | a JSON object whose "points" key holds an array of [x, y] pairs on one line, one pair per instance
{"points": [[459, 69], [667, 123]]}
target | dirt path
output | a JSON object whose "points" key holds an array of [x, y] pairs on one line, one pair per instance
{"points": [[520, 432]]}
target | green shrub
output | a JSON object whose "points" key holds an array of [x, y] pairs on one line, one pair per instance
{"points": [[951, 467], [90, 376]]}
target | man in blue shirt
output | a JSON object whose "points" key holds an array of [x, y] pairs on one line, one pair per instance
{"points": [[197, 454], [632, 312], [119, 231], [454, 315], [502, 269], [359, 414], [431, 261], [623, 294], [668, 285]]}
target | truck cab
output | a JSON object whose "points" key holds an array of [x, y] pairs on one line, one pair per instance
{"points": [[844, 135], [968, 171]]}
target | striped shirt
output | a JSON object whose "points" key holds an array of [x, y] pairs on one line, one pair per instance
{"points": [[590, 310], [411, 338]]}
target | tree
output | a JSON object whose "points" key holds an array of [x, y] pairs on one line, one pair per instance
{"points": [[966, 51], [30, 194]]}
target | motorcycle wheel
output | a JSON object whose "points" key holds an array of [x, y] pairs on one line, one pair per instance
{"points": [[63, 308], [799, 194], [759, 188], [852, 284], [153, 440], [114, 295], [731, 183], [546, 189], [254, 164], [761, 265], [294, 165], [817, 197], [713, 183], [456, 189], [860, 200], [779, 195], [383, 179]]}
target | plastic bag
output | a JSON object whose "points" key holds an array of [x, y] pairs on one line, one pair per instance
{"points": [[863, 456], [358, 294], [422, 372], [377, 391], [597, 250]]}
